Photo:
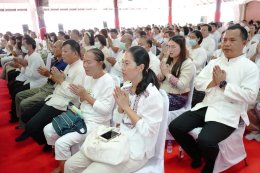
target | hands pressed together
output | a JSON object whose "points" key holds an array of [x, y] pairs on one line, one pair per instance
{"points": [[79, 91], [121, 98], [218, 75], [19, 62], [57, 76], [44, 71]]}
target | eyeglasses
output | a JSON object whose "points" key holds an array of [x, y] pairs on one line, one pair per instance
{"points": [[171, 47]]}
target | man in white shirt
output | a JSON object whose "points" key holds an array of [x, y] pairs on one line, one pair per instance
{"points": [[116, 62], [29, 76], [75, 35], [154, 61], [57, 102], [157, 36], [113, 44], [215, 33], [230, 83], [208, 42]]}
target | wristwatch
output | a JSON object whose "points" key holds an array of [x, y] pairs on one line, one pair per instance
{"points": [[222, 84]]}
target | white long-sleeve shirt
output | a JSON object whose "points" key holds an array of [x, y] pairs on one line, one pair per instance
{"points": [[117, 68], [216, 36], [101, 90], [199, 57], [227, 105], [29, 74], [21, 77], [74, 74], [154, 63], [209, 45], [33, 76], [143, 136], [218, 53], [107, 53]]}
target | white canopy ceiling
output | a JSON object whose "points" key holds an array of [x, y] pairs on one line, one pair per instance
{"points": [[90, 13], [124, 2]]}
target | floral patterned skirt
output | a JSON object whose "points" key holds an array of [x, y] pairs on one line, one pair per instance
{"points": [[177, 101]]}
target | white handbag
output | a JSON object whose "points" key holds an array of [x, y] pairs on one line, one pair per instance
{"points": [[114, 151]]}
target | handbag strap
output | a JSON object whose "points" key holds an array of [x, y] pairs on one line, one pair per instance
{"points": [[78, 130]]}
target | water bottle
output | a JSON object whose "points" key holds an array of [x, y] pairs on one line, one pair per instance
{"points": [[76, 110], [169, 146]]}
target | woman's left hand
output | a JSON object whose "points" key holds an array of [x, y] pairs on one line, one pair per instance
{"points": [[121, 98], [79, 91]]}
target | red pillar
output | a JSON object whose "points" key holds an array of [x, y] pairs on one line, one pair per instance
{"points": [[39, 6], [217, 13], [116, 14], [170, 12]]}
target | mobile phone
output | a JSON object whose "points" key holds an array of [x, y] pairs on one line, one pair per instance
{"points": [[109, 135]]}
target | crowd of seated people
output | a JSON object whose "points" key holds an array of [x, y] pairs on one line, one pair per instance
{"points": [[80, 67]]}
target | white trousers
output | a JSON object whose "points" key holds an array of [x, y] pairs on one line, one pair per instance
{"points": [[65, 145], [69, 144], [79, 163]]}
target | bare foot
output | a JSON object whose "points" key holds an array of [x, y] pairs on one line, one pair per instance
{"points": [[57, 170]]}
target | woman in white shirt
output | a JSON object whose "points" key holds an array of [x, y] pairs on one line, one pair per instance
{"points": [[100, 43], [199, 56], [88, 41], [97, 103], [177, 73], [139, 113], [197, 53]]}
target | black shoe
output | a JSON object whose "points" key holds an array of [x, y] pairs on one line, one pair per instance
{"points": [[207, 169], [195, 163], [19, 127], [47, 148], [22, 137], [13, 120]]}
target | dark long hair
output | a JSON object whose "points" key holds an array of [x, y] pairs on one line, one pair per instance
{"points": [[176, 69], [141, 56]]}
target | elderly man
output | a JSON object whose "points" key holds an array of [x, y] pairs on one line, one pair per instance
{"points": [[230, 84], [29, 76]]}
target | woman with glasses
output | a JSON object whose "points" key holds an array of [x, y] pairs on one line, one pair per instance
{"points": [[176, 73]]}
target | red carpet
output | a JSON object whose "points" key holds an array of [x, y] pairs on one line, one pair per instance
{"points": [[27, 156]]}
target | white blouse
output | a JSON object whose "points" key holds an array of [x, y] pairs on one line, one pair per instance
{"points": [[199, 57], [101, 90], [143, 136]]}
